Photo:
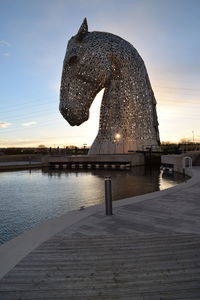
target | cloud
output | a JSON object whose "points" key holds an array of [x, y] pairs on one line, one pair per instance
{"points": [[4, 124], [4, 44], [29, 123]]}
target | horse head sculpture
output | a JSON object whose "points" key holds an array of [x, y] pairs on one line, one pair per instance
{"points": [[97, 60]]}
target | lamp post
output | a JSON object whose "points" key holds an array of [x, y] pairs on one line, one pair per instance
{"points": [[84, 148]]}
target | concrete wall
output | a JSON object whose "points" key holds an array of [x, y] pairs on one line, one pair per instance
{"points": [[135, 159], [177, 159]]}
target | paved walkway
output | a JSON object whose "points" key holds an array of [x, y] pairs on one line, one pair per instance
{"points": [[174, 212], [149, 249]]}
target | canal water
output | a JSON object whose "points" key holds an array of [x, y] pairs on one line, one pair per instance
{"points": [[31, 197]]}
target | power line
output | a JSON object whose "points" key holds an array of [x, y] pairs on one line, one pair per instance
{"points": [[155, 86], [177, 88], [29, 104], [23, 117], [24, 128], [4, 131]]}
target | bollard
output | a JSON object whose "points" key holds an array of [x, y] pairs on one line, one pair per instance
{"points": [[108, 196]]}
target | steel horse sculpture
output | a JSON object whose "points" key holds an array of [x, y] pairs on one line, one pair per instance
{"points": [[128, 118]]}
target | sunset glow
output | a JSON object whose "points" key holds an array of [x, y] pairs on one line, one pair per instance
{"points": [[33, 41]]}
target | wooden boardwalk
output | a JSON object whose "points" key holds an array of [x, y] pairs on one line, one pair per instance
{"points": [[146, 267], [148, 250]]}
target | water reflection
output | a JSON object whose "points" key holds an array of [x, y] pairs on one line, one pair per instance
{"points": [[125, 183], [168, 179], [31, 197]]}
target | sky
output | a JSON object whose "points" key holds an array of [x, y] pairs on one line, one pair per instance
{"points": [[33, 40]]}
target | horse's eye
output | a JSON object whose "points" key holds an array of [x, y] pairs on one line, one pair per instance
{"points": [[73, 60]]}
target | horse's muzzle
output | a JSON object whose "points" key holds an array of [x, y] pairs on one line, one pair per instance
{"points": [[74, 118]]}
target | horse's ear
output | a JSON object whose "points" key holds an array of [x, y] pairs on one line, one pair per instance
{"points": [[83, 30]]}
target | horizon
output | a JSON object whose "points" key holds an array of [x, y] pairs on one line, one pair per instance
{"points": [[32, 47]]}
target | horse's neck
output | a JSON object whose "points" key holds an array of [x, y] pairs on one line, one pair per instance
{"points": [[127, 108], [128, 118], [115, 104]]}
